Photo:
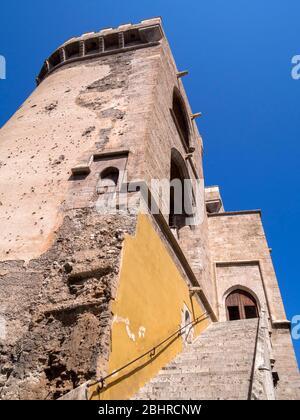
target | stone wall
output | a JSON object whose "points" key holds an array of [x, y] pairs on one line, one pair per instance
{"points": [[239, 238], [241, 259], [288, 386], [79, 110], [162, 137], [56, 310], [245, 276], [59, 257]]}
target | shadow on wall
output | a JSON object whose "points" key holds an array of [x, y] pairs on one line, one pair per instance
{"points": [[153, 355]]}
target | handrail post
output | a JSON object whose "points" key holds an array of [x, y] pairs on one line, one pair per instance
{"points": [[262, 375]]}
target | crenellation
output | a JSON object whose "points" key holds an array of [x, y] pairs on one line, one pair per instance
{"points": [[109, 40]]}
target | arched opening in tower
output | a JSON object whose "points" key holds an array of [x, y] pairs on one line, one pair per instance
{"points": [[181, 194], [181, 118]]}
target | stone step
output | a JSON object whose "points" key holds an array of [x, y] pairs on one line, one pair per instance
{"points": [[190, 370], [223, 340], [197, 394], [211, 355], [197, 379], [245, 325], [213, 367]]}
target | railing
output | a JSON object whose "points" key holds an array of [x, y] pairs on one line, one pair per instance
{"points": [[262, 379], [101, 382]]}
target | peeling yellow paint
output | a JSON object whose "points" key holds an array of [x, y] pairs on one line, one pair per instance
{"points": [[150, 301]]}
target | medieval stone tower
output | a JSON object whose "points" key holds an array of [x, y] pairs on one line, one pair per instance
{"points": [[131, 303]]}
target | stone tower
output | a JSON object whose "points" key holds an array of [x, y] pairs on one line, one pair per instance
{"points": [[92, 277]]}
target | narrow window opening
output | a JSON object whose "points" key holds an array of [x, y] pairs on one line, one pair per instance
{"points": [[92, 46], [177, 216], [111, 42], [72, 50], [234, 313], [132, 37], [182, 200], [250, 312], [54, 60], [181, 119]]}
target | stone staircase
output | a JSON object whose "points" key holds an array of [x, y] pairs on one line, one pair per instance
{"points": [[217, 366]]}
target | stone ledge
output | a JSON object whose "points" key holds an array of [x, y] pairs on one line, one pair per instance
{"points": [[281, 324], [84, 166], [235, 213]]}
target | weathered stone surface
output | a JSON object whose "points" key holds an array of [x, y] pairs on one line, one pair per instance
{"points": [[214, 367], [57, 324], [60, 258], [241, 256]]}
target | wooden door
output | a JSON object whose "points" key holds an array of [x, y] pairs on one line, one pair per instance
{"points": [[241, 305]]}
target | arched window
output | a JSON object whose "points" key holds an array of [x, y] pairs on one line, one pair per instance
{"points": [[241, 305], [181, 118], [181, 194], [109, 179]]}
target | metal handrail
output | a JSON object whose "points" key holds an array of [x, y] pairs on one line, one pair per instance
{"points": [[151, 352]]}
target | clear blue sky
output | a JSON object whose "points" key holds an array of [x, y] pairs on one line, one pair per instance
{"points": [[239, 55]]}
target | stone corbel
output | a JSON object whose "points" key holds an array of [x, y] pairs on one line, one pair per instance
{"points": [[281, 324], [83, 168], [181, 74]]}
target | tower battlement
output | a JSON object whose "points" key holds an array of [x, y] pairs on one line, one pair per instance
{"points": [[107, 41]]}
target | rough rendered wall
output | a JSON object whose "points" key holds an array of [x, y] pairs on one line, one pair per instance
{"points": [[59, 262], [81, 109], [56, 309], [150, 305]]}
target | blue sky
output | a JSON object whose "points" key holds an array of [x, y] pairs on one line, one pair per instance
{"points": [[239, 55]]}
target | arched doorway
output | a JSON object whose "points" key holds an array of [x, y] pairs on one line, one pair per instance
{"points": [[241, 305]]}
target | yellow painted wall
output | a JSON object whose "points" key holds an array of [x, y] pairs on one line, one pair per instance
{"points": [[148, 308]]}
